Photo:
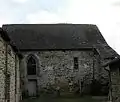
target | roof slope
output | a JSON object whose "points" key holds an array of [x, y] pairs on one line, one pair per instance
{"points": [[56, 36]]}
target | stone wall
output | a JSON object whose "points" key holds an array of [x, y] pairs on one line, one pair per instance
{"points": [[115, 85], [2, 69], [57, 67], [105, 73], [11, 70], [8, 67]]}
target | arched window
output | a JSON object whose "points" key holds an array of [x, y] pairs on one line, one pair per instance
{"points": [[31, 66]]}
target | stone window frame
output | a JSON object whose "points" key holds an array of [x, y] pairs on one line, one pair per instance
{"points": [[76, 63], [36, 63]]}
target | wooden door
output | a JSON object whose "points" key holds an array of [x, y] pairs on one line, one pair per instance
{"points": [[31, 88]]}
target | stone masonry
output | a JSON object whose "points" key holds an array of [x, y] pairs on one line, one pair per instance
{"points": [[115, 79], [2, 69], [57, 67], [9, 65], [11, 70], [113, 68]]}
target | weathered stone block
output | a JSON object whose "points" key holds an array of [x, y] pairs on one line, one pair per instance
{"points": [[115, 80], [116, 88]]}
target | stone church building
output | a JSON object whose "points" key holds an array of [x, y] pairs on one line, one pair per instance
{"points": [[50, 56]]}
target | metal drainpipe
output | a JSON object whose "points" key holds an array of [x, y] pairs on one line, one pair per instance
{"points": [[110, 84], [6, 69]]}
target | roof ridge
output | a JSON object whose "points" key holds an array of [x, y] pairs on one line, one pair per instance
{"points": [[49, 24]]}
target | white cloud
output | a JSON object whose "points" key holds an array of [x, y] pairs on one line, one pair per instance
{"points": [[44, 17], [4, 20], [20, 1]]}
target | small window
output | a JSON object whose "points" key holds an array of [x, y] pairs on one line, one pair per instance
{"points": [[31, 66], [75, 62]]}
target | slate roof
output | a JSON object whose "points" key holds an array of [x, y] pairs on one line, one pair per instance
{"points": [[58, 36]]}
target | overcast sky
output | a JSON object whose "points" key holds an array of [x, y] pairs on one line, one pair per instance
{"points": [[104, 13]]}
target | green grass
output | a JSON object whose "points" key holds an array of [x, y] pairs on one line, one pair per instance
{"points": [[62, 99]]}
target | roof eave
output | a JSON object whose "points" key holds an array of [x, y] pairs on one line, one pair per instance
{"points": [[4, 35]]}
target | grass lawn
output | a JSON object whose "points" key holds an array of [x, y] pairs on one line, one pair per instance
{"points": [[63, 99]]}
